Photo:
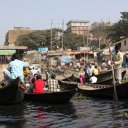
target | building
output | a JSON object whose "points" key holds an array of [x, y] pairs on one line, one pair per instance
{"points": [[7, 51], [78, 27], [124, 43], [12, 35]]}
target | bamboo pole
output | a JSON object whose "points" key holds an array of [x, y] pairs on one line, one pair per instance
{"points": [[115, 96]]}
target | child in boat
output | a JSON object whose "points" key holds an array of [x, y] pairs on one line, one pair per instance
{"points": [[38, 85]]}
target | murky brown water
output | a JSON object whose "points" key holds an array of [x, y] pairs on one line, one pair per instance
{"points": [[79, 113]]}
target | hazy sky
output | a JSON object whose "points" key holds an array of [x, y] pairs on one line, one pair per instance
{"points": [[37, 14]]}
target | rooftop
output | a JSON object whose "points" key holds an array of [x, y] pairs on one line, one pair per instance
{"points": [[2, 47], [78, 21]]}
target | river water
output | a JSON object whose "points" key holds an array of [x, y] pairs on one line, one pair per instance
{"points": [[80, 112]]}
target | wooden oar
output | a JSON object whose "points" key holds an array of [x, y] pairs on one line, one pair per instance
{"points": [[113, 75]]}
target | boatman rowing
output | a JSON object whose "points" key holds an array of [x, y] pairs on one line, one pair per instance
{"points": [[117, 61]]}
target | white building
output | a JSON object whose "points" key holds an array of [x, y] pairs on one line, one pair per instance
{"points": [[124, 43]]}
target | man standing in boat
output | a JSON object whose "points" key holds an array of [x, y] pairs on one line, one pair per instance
{"points": [[117, 62]]}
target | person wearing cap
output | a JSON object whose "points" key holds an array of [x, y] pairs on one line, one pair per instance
{"points": [[15, 69]]}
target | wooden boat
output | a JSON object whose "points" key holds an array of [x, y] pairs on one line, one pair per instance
{"points": [[104, 91], [101, 77], [109, 81], [69, 83], [66, 93], [12, 93]]}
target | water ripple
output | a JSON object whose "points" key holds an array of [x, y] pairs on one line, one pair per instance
{"points": [[79, 113]]}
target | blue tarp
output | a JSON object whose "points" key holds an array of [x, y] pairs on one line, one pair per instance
{"points": [[43, 49], [66, 60]]}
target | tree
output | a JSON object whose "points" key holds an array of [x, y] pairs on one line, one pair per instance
{"points": [[120, 28], [37, 39], [40, 38], [100, 31], [72, 40]]}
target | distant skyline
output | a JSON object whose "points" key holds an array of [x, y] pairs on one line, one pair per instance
{"points": [[37, 14]]}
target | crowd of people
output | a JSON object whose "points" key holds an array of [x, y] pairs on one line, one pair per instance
{"points": [[29, 77], [34, 82], [92, 70]]}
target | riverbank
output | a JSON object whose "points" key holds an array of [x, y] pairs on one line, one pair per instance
{"points": [[60, 76]]}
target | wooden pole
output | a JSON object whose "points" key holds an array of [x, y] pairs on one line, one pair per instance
{"points": [[113, 76]]}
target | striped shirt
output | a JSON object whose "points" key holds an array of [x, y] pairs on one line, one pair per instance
{"points": [[52, 84]]}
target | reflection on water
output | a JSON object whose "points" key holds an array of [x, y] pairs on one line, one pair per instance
{"points": [[79, 113], [12, 116], [46, 115]]}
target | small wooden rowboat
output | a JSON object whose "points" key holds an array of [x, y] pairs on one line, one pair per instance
{"points": [[103, 78], [104, 91], [70, 83], [66, 93], [100, 78], [12, 93]]}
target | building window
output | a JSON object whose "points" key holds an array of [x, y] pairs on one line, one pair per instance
{"points": [[125, 42]]}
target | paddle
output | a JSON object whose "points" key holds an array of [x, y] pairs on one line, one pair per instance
{"points": [[113, 76]]}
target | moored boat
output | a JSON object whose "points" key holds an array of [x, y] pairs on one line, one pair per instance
{"points": [[63, 96], [100, 78], [12, 93], [69, 83], [104, 91]]}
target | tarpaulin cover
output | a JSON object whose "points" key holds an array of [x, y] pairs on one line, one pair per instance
{"points": [[66, 60]]}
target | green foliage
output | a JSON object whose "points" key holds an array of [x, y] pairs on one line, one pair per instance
{"points": [[120, 28], [100, 31], [73, 40], [42, 38], [81, 96], [36, 39]]}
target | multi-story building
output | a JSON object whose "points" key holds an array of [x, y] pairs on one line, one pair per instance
{"points": [[12, 35], [78, 27]]}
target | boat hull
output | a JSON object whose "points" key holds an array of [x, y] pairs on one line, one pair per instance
{"points": [[108, 92], [100, 78], [53, 97], [12, 93]]}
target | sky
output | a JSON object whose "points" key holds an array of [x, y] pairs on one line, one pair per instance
{"points": [[38, 14]]}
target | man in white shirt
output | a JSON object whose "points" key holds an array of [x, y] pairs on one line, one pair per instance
{"points": [[93, 79]]}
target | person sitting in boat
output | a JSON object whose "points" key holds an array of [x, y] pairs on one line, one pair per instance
{"points": [[93, 79], [15, 69], [81, 79], [117, 58], [27, 78], [33, 71], [38, 85], [89, 70], [52, 83], [95, 70]]}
